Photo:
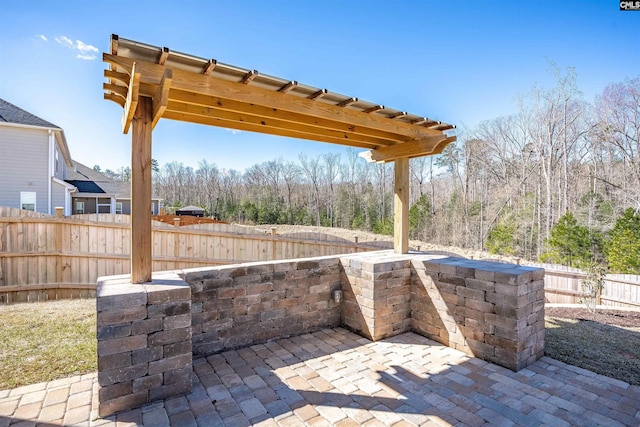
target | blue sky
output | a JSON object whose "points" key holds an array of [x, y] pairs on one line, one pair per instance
{"points": [[456, 61]]}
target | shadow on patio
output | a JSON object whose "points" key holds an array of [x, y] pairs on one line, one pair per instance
{"points": [[335, 377]]}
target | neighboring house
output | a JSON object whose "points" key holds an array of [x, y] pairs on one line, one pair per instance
{"points": [[34, 158], [191, 211], [98, 193], [38, 174]]}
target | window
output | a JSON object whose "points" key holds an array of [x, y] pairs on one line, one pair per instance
{"points": [[103, 205], [28, 200], [57, 160], [79, 207], [118, 207]]}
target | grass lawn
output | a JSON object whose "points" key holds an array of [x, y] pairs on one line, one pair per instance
{"points": [[46, 341]]}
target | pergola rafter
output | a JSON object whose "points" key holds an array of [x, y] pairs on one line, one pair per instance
{"points": [[187, 88]]}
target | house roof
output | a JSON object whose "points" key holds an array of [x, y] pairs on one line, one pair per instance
{"points": [[86, 186], [10, 113], [191, 209], [89, 181]]}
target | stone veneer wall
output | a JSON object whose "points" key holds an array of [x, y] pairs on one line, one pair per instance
{"points": [[148, 334], [376, 294], [144, 341], [493, 311], [239, 305]]}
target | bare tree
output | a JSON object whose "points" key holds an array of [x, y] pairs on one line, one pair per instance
{"points": [[312, 169]]}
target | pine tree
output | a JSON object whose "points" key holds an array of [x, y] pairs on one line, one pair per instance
{"points": [[501, 238], [623, 248], [570, 243]]}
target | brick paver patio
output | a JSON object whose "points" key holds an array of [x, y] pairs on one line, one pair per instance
{"points": [[334, 377]]}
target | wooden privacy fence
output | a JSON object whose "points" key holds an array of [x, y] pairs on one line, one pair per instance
{"points": [[563, 285], [44, 257]]}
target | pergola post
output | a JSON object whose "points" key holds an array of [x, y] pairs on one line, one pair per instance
{"points": [[401, 206], [141, 256]]}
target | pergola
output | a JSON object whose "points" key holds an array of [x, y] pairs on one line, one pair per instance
{"points": [[151, 82]]}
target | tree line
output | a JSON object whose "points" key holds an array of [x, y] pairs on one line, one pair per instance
{"points": [[515, 185]]}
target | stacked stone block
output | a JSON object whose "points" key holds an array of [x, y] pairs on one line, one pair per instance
{"points": [[144, 341], [148, 334], [376, 290], [491, 310], [239, 305]]}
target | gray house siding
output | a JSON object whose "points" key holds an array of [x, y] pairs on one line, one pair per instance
{"points": [[58, 196], [126, 206], [59, 166], [24, 165]]}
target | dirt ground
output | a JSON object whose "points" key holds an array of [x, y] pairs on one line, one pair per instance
{"points": [[186, 219], [611, 317]]}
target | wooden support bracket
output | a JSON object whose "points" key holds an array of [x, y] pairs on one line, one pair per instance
{"points": [[423, 147], [132, 99], [161, 98]]}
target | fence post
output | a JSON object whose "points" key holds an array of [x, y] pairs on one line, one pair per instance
{"points": [[273, 244]]}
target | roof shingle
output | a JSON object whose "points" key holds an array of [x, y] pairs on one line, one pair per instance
{"points": [[9, 113]]}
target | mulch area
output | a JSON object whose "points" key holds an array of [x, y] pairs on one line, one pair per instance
{"points": [[186, 219], [611, 317], [606, 342]]}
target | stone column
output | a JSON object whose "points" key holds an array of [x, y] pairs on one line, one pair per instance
{"points": [[144, 341]]}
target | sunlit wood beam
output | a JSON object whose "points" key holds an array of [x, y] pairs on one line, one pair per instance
{"points": [[398, 115], [274, 126], [211, 64], [115, 98], [132, 99], [248, 78], [374, 109], [115, 89], [253, 96], [265, 113], [163, 56], [347, 102], [317, 95], [161, 98], [115, 75], [114, 44], [424, 147], [286, 88]]}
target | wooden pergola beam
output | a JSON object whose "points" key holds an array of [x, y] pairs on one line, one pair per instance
{"points": [[288, 87], [215, 104], [424, 147], [317, 95], [151, 83], [249, 77], [211, 64], [374, 109], [347, 102], [131, 102], [242, 121], [256, 96], [161, 97], [164, 54]]}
